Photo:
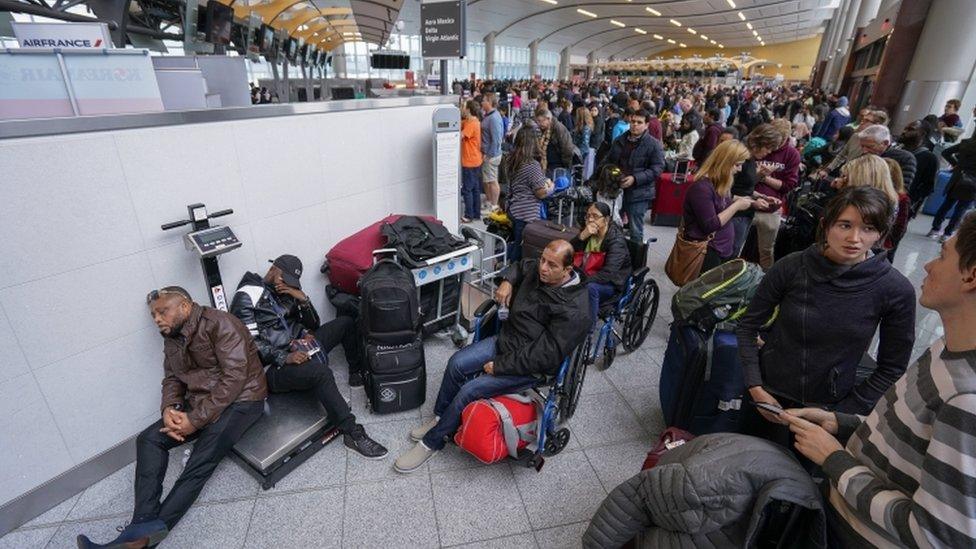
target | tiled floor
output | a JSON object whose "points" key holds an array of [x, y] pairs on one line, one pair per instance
{"points": [[339, 500]]}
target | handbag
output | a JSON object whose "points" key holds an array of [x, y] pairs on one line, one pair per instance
{"points": [[686, 258], [671, 438], [590, 263]]}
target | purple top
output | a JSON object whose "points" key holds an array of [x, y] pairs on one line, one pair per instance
{"points": [[701, 209]]}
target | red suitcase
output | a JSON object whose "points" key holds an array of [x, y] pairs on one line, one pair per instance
{"points": [[352, 256], [483, 427], [669, 202]]}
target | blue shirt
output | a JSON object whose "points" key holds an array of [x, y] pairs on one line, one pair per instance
{"points": [[492, 133], [620, 129]]}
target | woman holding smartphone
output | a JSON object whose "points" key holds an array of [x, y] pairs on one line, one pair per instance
{"points": [[831, 299]]}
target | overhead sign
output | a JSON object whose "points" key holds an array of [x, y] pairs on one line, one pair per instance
{"points": [[62, 35], [442, 29]]}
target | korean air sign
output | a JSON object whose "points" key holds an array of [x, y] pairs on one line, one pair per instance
{"points": [[62, 35]]}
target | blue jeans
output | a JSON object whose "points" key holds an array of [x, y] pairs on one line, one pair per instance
{"points": [[635, 218], [741, 225], [464, 382], [515, 246], [598, 294], [471, 192], [962, 206]]}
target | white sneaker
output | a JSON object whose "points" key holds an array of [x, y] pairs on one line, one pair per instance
{"points": [[934, 234], [414, 459], [944, 237], [418, 433]]}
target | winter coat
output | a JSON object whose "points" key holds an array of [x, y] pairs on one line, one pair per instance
{"points": [[255, 304], [828, 315], [616, 265], [712, 491], [962, 158], [906, 161], [646, 162], [544, 325]]}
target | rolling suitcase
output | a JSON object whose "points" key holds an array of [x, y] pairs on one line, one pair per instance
{"points": [[538, 234], [935, 200], [669, 202]]}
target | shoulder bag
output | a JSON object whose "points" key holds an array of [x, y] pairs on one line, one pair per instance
{"points": [[687, 256]]}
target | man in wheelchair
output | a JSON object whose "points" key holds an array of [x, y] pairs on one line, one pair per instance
{"points": [[549, 317]]}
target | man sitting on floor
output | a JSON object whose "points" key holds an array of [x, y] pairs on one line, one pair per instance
{"points": [[296, 349], [549, 316], [907, 476], [213, 390]]}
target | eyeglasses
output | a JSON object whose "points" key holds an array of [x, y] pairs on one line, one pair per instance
{"points": [[155, 294], [593, 216]]}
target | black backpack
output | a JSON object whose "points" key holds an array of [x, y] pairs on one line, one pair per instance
{"points": [[418, 239], [389, 310]]}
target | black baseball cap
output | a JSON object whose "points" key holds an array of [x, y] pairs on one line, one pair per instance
{"points": [[291, 269]]}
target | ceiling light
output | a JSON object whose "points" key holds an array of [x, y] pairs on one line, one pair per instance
{"points": [[759, 38], [659, 37], [617, 23], [754, 33], [683, 45], [763, 43], [712, 42], [671, 41], [586, 13], [703, 37], [721, 47], [654, 11], [640, 31], [743, 17], [692, 31], [731, 3], [675, 23], [553, 2]]}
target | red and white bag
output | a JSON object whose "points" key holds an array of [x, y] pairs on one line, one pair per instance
{"points": [[495, 428]]}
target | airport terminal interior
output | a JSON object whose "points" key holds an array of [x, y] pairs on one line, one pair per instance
{"points": [[487, 273]]}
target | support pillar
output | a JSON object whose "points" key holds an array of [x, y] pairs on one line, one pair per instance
{"points": [[339, 64], [564, 64], [840, 17], [845, 44], [534, 58], [590, 65], [489, 55]]}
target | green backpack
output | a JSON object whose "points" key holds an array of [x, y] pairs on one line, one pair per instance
{"points": [[720, 296]]}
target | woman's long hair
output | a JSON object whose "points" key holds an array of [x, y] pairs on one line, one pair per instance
{"points": [[720, 163], [870, 170], [525, 149], [583, 118]]}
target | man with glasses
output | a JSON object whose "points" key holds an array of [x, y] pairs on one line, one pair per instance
{"points": [[641, 159], [213, 391]]}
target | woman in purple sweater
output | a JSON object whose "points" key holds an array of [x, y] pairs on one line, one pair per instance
{"points": [[709, 204]]}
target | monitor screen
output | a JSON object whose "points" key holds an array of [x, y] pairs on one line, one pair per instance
{"points": [[291, 48], [265, 39], [220, 18]]}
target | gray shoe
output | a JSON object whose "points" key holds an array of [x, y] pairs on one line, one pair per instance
{"points": [[414, 459], [418, 433]]}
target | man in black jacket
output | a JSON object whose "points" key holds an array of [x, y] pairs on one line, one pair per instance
{"points": [[641, 158], [549, 316], [295, 348]]}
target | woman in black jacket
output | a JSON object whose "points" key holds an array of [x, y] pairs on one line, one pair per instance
{"points": [[831, 299], [602, 254], [961, 190]]}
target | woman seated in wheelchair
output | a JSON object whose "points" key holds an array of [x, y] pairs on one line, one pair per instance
{"points": [[602, 254]]}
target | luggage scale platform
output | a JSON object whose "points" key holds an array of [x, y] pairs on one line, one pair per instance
{"points": [[293, 428]]}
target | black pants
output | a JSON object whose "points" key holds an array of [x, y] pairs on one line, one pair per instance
{"points": [[712, 260], [212, 444], [316, 375], [343, 330]]}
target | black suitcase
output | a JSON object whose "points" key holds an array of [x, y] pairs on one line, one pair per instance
{"points": [[538, 234], [396, 376]]}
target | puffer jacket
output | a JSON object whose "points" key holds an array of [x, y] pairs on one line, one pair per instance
{"points": [[210, 364], [254, 303], [545, 323], [616, 265], [906, 161], [716, 490], [645, 163]]}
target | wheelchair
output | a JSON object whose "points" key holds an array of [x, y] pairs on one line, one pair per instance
{"points": [[557, 395], [635, 310]]}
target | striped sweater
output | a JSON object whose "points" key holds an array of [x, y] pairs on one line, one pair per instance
{"points": [[908, 475]]}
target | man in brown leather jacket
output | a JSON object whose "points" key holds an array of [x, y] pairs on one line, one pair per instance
{"points": [[213, 390]]}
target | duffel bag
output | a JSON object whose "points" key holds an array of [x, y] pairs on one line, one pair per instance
{"points": [[495, 428]]}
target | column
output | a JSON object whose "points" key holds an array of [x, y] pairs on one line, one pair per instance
{"points": [[564, 64], [489, 55], [534, 58], [845, 44], [590, 65], [869, 10], [339, 63], [840, 16], [943, 65]]}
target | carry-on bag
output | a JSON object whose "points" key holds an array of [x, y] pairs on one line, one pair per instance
{"points": [[937, 197], [682, 371], [719, 295], [389, 311], [396, 376], [669, 200], [671, 438], [685, 261], [538, 234], [495, 428]]}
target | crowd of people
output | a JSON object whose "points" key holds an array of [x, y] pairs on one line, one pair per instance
{"points": [[894, 443]]}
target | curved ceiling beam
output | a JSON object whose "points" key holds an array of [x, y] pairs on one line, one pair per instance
{"points": [[710, 26], [632, 5]]}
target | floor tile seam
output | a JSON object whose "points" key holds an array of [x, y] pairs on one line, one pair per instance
{"points": [[530, 531], [433, 504], [208, 503], [518, 489], [250, 519]]}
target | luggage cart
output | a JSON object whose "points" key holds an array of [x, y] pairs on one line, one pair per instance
{"points": [[478, 285]]}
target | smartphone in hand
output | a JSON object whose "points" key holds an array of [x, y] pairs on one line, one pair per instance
{"points": [[771, 408]]}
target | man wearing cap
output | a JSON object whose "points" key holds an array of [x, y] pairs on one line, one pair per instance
{"points": [[295, 348]]}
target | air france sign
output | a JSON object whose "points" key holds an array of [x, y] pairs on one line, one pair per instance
{"points": [[62, 35]]}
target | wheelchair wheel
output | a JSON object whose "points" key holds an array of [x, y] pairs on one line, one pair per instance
{"points": [[573, 384], [640, 315], [556, 442]]}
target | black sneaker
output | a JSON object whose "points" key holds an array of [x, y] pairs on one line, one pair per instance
{"points": [[355, 379], [357, 439]]}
